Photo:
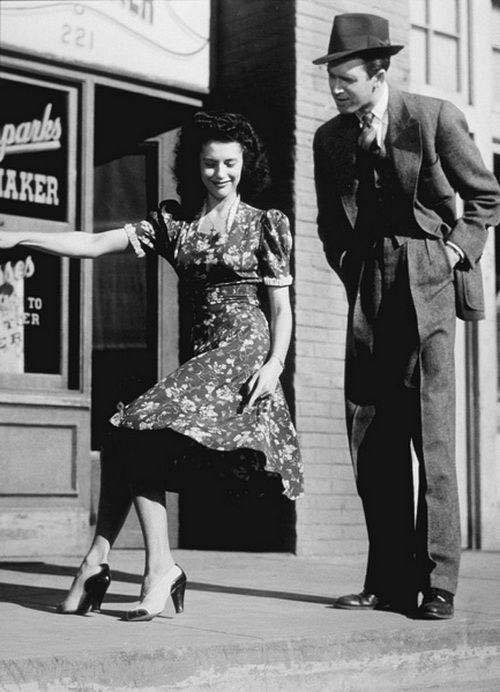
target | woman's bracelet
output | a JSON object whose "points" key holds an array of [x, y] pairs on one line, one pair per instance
{"points": [[279, 360]]}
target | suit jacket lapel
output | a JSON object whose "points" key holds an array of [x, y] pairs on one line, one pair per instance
{"points": [[404, 142]]}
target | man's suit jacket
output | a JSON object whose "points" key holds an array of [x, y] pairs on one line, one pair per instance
{"points": [[434, 157]]}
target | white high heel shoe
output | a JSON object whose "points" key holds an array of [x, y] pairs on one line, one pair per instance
{"points": [[173, 584]]}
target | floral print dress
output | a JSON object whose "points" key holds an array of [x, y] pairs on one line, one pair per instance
{"points": [[219, 275]]}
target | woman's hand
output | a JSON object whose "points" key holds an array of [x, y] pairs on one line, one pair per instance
{"points": [[263, 383], [8, 239]]}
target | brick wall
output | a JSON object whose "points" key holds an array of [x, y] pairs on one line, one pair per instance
{"points": [[329, 517]]}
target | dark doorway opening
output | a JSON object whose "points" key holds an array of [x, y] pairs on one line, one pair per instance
{"points": [[124, 354], [238, 520], [125, 289]]}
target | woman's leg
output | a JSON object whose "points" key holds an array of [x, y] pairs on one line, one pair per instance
{"points": [[152, 512], [162, 577], [115, 501], [114, 505]]}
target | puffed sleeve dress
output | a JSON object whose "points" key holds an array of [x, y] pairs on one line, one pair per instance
{"points": [[202, 401]]}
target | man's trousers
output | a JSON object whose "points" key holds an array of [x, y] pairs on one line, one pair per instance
{"points": [[400, 390]]}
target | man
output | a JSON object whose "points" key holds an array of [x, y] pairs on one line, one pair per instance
{"points": [[387, 169]]}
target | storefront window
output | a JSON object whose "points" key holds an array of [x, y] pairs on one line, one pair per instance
{"points": [[37, 159]]}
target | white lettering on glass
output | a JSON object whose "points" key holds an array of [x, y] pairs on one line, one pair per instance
{"points": [[31, 136], [34, 302], [29, 187]]}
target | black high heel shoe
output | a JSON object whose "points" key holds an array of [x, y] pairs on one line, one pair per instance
{"points": [[94, 589], [172, 584], [177, 592]]}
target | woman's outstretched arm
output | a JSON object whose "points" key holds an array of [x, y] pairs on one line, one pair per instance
{"points": [[264, 381], [68, 244]]}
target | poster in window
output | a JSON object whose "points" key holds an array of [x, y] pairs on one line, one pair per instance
{"points": [[30, 312]]}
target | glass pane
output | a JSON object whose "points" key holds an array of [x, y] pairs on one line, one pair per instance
{"points": [[418, 56], [496, 77], [124, 305], [445, 64], [444, 16], [34, 151], [418, 11]]}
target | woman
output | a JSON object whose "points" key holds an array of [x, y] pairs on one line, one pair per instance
{"points": [[223, 411]]}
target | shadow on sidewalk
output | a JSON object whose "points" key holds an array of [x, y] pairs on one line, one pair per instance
{"points": [[46, 598]]}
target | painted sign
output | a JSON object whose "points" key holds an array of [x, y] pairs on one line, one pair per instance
{"points": [[33, 151], [163, 41]]}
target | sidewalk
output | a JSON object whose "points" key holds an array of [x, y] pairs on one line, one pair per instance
{"points": [[252, 622]]}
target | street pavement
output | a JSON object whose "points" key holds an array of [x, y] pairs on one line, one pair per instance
{"points": [[253, 621]]}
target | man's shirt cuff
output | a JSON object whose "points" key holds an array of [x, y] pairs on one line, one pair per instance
{"points": [[457, 249]]}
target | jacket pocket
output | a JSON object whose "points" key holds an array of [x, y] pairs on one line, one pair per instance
{"points": [[469, 294]]}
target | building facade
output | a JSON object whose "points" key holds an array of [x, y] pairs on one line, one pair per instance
{"points": [[110, 92], [93, 95]]}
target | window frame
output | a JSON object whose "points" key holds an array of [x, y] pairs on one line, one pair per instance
{"points": [[462, 96]]}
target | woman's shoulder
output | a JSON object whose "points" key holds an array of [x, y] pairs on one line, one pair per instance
{"points": [[272, 216]]}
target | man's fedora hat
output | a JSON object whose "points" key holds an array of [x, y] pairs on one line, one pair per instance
{"points": [[358, 34]]}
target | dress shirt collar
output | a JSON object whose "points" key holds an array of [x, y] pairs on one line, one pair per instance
{"points": [[379, 110]]}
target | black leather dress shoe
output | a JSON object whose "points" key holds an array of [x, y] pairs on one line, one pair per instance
{"points": [[360, 601], [437, 604]]}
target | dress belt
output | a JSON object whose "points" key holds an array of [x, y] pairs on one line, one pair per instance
{"points": [[204, 293]]}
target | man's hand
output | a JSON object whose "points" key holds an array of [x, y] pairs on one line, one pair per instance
{"points": [[263, 383]]}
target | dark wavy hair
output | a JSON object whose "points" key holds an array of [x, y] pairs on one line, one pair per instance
{"points": [[217, 126]]}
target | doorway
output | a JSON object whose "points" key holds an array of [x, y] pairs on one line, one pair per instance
{"points": [[124, 353], [136, 331]]}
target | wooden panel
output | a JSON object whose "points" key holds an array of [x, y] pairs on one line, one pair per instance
{"points": [[55, 531], [37, 460]]}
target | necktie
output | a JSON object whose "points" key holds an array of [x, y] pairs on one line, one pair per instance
{"points": [[371, 276], [367, 139]]}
